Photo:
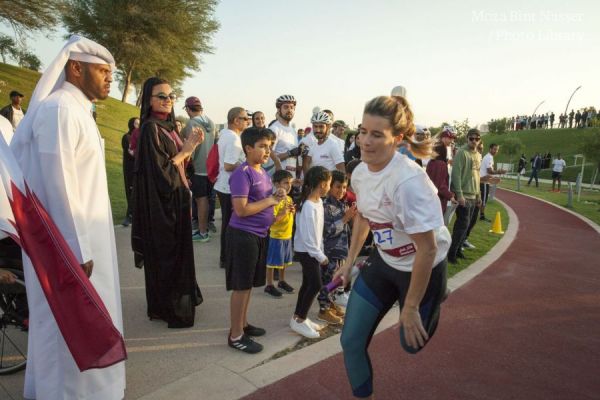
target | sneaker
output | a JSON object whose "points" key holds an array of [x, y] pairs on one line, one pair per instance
{"points": [[200, 237], [304, 328], [468, 245], [272, 291], [328, 315], [337, 310], [316, 326], [342, 299], [126, 222], [483, 218], [212, 227], [194, 225], [252, 330], [245, 344], [283, 285]]}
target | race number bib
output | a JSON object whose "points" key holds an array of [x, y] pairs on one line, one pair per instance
{"points": [[390, 241]]}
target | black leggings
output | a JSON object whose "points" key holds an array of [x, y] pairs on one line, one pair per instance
{"points": [[311, 284], [376, 289]]}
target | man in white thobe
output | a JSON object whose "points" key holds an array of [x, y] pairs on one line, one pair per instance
{"points": [[58, 148]]}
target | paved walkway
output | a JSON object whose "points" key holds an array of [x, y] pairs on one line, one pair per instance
{"points": [[528, 327]]}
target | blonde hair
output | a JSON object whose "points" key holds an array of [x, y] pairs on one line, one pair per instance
{"points": [[397, 111]]}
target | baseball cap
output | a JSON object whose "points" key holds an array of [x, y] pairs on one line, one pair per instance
{"points": [[339, 122], [448, 132], [15, 93], [192, 101]]}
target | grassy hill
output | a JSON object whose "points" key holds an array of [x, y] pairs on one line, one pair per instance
{"points": [[112, 122], [564, 141]]}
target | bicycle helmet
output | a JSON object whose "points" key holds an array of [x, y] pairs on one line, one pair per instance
{"points": [[285, 98], [321, 118]]}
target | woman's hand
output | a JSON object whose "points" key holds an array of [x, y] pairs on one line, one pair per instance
{"points": [[343, 272], [414, 332], [193, 140]]}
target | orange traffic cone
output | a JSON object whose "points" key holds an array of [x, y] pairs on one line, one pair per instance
{"points": [[497, 226]]}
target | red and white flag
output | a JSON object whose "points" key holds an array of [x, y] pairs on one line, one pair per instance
{"points": [[81, 316]]}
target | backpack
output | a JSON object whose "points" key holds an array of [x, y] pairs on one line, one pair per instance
{"points": [[212, 164]]}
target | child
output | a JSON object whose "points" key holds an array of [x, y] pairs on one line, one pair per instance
{"points": [[279, 255], [335, 241], [308, 243], [245, 267]]}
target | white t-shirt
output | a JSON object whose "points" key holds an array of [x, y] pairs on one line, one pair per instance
{"points": [[285, 139], [340, 142], [327, 154], [558, 165], [230, 152], [309, 230], [486, 162], [17, 117], [400, 200]]}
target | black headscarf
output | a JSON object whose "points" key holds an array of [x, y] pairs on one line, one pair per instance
{"points": [[146, 108]]}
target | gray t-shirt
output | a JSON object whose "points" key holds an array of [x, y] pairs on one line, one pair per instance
{"points": [[201, 153]]}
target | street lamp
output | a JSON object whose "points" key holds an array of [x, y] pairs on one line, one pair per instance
{"points": [[538, 106], [568, 102]]}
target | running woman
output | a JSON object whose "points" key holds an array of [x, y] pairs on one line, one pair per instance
{"points": [[399, 204]]}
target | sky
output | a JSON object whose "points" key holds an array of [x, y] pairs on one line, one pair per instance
{"points": [[475, 59]]}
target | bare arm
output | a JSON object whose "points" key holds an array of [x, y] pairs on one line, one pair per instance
{"points": [[243, 208], [230, 167]]}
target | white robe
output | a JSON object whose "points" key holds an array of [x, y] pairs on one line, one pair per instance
{"points": [[64, 165]]}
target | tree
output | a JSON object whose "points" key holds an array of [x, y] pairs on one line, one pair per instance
{"points": [[29, 60], [497, 125], [162, 38], [513, 147], [30, 15], [461, 128], [590, 147], [8, 47]]}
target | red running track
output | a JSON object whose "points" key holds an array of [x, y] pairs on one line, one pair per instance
{"points": [[527, 328]]}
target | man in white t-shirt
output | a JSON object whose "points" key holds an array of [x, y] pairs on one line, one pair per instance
{"points": [[325, 152], [14, 112], [231, 155], [486, 172], [558, 165], [286, 140]]}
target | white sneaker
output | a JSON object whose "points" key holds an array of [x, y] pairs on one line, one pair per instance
{"points": [[341, 299], [468, 245], [316, 326], [304, 328]]}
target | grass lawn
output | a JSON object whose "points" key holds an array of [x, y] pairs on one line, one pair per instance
{"points": [[480, 237], [588, 206], [112, 123]]}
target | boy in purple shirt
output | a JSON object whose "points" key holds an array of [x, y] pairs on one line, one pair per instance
{"points": [[246, 237]]}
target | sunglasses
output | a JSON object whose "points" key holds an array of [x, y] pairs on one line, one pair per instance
{"points": [[165, 97], [474, 139], [245, 118]]}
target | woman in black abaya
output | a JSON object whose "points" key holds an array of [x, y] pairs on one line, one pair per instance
{"points": [[161, 233]]}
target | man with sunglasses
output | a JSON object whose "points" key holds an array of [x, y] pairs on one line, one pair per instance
{"points": [[465, 185], [231, 155]]}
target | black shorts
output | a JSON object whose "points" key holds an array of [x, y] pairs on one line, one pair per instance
{"points": [[556, 175], [201, 186], [245, 260]]}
